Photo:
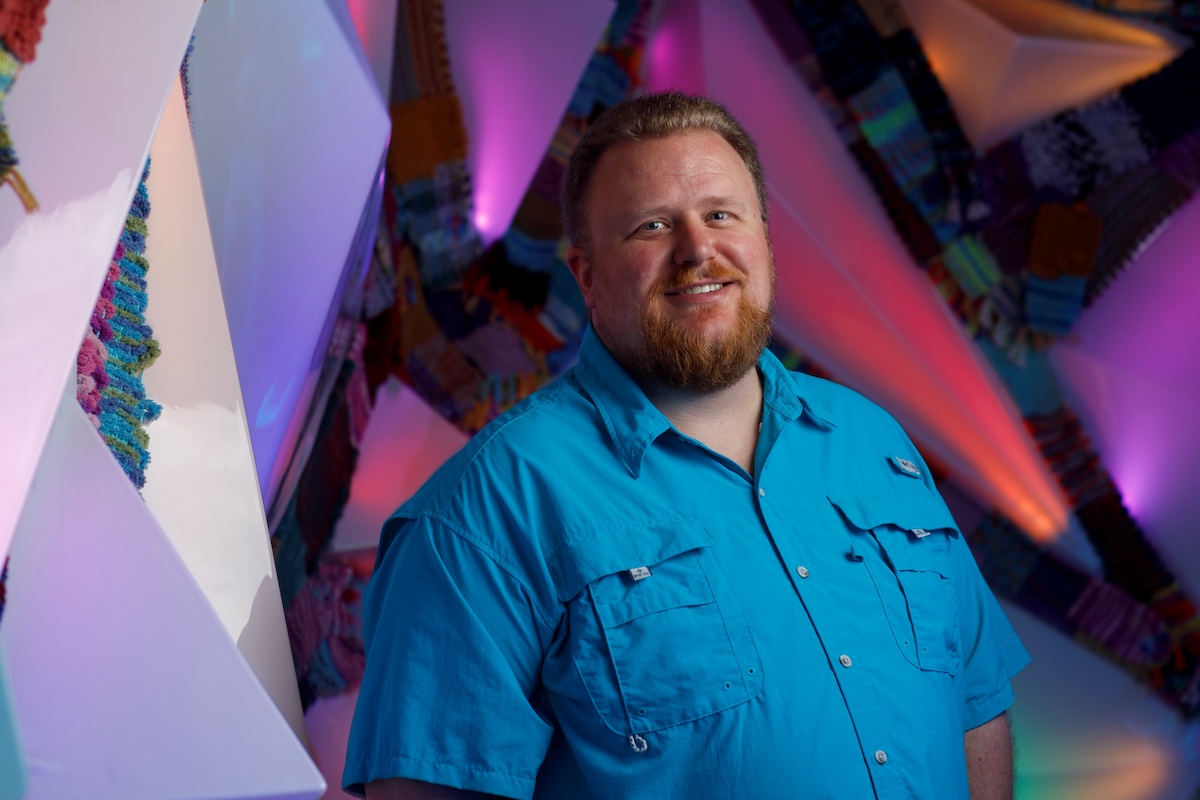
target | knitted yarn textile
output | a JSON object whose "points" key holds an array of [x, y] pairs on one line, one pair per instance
{"points": [[118, 347], [324, 622], [21, 24]]}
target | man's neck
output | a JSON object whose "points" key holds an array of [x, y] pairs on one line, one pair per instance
{"points": [[727, 420]]}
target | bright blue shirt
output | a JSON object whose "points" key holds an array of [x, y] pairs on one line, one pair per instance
{"points": [[586, 603]]}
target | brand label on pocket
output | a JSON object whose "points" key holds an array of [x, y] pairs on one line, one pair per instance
{"points": [[920, 533], [639, 573]]}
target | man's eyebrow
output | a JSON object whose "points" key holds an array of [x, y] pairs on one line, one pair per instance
{"points": [[712, 201]]}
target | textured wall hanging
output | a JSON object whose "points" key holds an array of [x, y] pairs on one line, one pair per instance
{"points": [[21, 24]]}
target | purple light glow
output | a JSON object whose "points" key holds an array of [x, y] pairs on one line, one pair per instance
{"points": [[1134, 376], [514, 68]]}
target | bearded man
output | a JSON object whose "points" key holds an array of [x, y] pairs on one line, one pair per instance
{"points": [[680, 571]]}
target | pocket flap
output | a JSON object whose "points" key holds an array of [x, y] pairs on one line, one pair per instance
{"points": [[916, 509], [580, 561]]}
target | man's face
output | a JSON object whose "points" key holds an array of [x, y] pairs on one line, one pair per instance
{"points": [[678, 273]]}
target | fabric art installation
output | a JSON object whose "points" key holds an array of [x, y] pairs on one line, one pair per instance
{"points": [[1018, 241], [118, 347], [21, 23]]}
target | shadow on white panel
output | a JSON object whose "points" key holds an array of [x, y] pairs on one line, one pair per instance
{"points": [[201, 484], [127, 684], [81, 117]]}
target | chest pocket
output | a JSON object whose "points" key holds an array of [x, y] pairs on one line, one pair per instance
{"points": [[667, 649], [908, 556]]}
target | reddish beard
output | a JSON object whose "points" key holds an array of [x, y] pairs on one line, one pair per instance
{"points": [[679, 356]]}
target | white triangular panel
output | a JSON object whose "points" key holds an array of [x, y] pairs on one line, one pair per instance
{"points": [[1008, 63], [290, 131], [405, 442], [515, 67], [126, 682], [201, 484], [81, 117]]}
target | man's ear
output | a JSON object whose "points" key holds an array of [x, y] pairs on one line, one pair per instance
{"points": [[581, 267]]}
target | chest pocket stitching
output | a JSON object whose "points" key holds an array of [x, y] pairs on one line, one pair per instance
{"points": [[627, 629], [921, 569]]}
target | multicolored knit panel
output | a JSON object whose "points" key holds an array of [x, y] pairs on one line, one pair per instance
{"points": [[119, 346], [21, 23]]}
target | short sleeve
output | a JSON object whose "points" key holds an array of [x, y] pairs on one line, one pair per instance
{"points": [[454, 647], [992, 652]]}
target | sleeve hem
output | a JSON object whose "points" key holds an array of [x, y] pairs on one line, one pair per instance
{"points": [[477, 778]]}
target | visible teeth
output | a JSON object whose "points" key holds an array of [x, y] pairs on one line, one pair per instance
{"points": [[708, 287]]}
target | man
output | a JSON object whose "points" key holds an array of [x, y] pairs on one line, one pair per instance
{"points": [[680, 570]]}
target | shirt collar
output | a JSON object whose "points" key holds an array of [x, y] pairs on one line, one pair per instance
{"points": [[633, 422]]}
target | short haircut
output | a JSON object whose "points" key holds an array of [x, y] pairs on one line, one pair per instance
{"points": [[651, 116]]}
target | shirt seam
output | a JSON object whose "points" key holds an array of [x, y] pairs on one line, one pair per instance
{"points": [[495, 559], [464, 767]]}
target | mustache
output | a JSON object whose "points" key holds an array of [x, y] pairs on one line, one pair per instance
{"points": [[715, 272]]}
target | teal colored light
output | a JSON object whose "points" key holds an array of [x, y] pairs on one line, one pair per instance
{"points": [[12, 757]]}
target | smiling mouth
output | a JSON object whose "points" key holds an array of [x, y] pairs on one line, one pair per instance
{"points": [[702, 289]]}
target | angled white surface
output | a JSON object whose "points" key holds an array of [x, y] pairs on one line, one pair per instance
{"points": [[81, 116], [405, 442], [1008, 63], [127, 684], [201, 485], [848, 291], [515, 67], [289, 131]]}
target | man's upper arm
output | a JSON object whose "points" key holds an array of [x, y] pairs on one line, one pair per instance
{"points": [[454, 651]]}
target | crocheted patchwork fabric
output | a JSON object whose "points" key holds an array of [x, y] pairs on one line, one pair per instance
{"points": [[1065, 241], [1078, 150], [118, 348], [1052, 306], [970, 261], [324, 622], [21, 23]]}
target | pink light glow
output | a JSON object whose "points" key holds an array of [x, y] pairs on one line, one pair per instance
{"points": [[515, 67]]}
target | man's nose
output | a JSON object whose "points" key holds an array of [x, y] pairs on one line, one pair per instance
{"points": [[693, 243]]}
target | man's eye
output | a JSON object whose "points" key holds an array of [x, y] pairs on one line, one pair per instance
{"points": [[655, 225], [719, 215]]}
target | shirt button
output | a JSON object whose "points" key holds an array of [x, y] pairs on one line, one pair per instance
{"points": [[880, 757], [802, 572], [762, 492], [845, 660]]}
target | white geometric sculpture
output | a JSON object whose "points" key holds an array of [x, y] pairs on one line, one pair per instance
{"points": [[126, 682], [290, 132], [81, 116], [201, 485], [1008, 63]]}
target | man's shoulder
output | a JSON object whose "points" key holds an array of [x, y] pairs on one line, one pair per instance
{"points": [[536, 436], [845, 407]]}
